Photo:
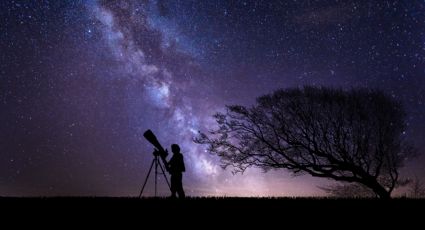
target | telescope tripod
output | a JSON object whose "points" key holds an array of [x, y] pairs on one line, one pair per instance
{"points": [[157, 163]]}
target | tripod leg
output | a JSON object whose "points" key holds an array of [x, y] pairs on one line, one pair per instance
{"points": [[165, 175], [156, 172], [146, 180]]}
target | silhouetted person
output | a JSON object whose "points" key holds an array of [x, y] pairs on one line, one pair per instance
{"points": [[176, 168]]}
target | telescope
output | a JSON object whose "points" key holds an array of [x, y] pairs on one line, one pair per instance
{"points": [[159, 150]]}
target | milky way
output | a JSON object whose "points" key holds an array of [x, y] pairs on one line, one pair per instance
{"points": [[82, 80]]}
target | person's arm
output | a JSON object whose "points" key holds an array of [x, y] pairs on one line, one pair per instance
{"points": [[170, 163]]}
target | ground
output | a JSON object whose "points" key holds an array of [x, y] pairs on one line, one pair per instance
{"points": [[213, 209]]}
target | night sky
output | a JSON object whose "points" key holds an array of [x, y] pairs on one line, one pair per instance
{"points": [[80, 81]]}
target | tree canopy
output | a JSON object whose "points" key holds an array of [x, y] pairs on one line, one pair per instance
{"points": [[346, 135]]}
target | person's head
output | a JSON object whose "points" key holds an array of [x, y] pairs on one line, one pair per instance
{"points": [[175, 148]]}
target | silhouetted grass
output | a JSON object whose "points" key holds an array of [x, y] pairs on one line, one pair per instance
{"points": [[202, 202], [200, 199]]}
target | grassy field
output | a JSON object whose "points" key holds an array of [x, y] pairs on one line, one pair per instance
{"points": [[325, 203], [273, 201]]}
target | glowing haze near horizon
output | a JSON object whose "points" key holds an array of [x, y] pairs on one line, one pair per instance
{"points": [[81, 81]]}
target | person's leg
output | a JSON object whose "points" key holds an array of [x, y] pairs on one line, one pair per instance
{"points": [[179, 188], [173, 186], [181, 193]]}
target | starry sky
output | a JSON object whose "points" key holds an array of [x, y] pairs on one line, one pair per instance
{"points": [[80, 81]]}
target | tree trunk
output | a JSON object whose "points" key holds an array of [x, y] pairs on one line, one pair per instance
{"points": [[380, 191]]}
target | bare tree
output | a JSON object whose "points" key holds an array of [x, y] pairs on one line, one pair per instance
{"points": [[417, 188], [348, 136]]}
